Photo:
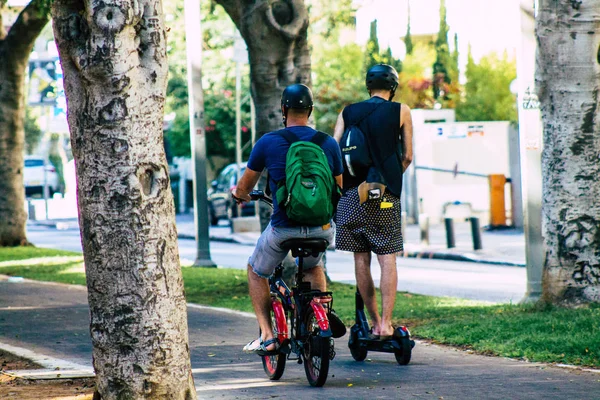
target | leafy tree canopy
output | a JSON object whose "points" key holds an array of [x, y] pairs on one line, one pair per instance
{"points": [[487, 92]]}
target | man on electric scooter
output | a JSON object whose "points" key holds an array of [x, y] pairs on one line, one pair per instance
{"points": [[270, 152], [376, 140]]}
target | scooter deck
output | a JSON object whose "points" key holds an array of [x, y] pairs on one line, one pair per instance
{"points": [[384, 346]]}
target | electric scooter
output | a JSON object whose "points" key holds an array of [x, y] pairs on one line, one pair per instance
{"points": [[360, 342]]}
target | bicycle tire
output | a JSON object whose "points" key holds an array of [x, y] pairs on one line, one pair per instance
{"points": [[316, 352], [275, 365]]}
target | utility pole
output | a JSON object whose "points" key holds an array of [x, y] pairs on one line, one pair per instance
{"points": [[197, 133], [530, 137], [240, 56]]}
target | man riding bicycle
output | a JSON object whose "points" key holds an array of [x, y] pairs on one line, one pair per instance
{"points": [[270, 152]]}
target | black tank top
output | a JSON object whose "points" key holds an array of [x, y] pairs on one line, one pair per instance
{"points": [[382, 127]]}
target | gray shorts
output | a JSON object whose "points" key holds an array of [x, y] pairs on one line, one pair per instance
{"points": [[268, 253]]}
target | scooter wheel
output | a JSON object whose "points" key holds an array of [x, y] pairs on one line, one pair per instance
{"points": [[403, 356], [359, 353]]}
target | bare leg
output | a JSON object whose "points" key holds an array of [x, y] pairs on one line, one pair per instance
{"points": [[366, 287], [261, 300], [316, 277], [389, 288]]}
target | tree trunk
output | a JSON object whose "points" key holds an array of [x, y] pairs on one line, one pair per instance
{"points": [[113, 57], [567, 79], [15, 47]]}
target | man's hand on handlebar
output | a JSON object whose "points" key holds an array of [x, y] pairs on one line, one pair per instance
{"points": [[240, 197]]}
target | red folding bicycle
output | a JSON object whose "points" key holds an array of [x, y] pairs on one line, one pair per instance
{"points": [[299, 316]]}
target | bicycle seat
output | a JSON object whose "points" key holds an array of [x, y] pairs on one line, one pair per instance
{"points": [[305, 247]]}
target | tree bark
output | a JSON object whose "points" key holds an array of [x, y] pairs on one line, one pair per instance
{"points": [[568, 80], [114, 61], [276, 35], [15, 47]]}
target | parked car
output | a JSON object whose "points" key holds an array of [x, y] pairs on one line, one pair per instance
{"points": [[34, 175], [220, 202]]}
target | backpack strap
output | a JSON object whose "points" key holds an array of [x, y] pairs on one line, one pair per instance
{"points": [[289, 136], [319, 138]]}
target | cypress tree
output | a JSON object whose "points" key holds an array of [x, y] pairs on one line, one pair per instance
{"points": [[441, 65], [408, 39], [372, 56]]}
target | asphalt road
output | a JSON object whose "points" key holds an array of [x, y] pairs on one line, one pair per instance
{"points": [[52, 319], [431, 277]]}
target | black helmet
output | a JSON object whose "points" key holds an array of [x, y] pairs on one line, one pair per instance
{"points": [[297, 96], [382, 76]]}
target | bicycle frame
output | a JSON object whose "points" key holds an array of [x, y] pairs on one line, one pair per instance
{"points": [[291, 305]]}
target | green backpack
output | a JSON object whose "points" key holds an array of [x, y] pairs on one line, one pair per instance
{"points": [[309, 190]]}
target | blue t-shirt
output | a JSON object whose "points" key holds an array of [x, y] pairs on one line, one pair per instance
{"points": [[270, 152]]}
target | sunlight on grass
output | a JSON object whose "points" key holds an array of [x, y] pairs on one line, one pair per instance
{"points": [[22, 253], [545, 334], [41, 261]]}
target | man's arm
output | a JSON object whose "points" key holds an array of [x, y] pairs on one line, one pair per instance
{"points": [[338, 131], [406, 129], [246, 184], [338, 180]]}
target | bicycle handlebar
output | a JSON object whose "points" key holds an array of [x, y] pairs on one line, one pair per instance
{"points": [[260, 195]]}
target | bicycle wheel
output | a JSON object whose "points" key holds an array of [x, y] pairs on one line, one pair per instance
{"points": [[275, 365], [316, 352]]}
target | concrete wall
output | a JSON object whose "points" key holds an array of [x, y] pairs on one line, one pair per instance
{"points": [[477, 147]]}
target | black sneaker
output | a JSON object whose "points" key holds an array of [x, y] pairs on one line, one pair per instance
{"points": [[338, 329]]}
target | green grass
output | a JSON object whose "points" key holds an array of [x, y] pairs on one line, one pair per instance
{"points": [[548, 334]]}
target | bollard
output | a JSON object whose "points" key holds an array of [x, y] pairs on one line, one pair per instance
{"points": [[449, 224], [497, 184], [31, 210], [475, 233], [424, 228]]}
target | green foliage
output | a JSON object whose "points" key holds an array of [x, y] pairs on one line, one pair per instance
{"points": [[487, 92], [373, 54], [218, 84], [328, 18], [414, 88], [33, 132], [372, 49], [338, 82], [442, 66]]}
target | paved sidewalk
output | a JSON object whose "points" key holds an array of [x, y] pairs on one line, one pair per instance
{"points": [[53, 320]]}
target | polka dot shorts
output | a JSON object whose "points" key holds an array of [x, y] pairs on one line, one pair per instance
{"points": [[367, 227]]}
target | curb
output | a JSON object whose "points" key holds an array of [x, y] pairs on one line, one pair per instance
{"points": [[460, 257], [432, 255]]}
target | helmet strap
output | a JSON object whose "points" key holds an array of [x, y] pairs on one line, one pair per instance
{"points": [[284, 113]]}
